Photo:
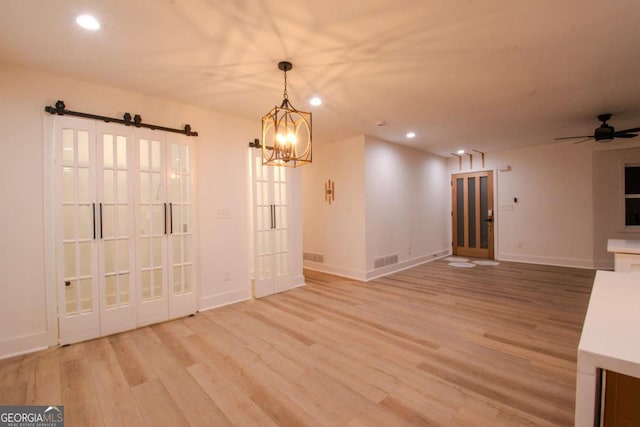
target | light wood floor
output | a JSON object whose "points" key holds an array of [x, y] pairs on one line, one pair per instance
{"points": [[434, 345]]}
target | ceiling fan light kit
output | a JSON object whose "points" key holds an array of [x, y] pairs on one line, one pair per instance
{"points": [[605, 132]]}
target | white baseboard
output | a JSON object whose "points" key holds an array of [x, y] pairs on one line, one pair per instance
{"points": [[365, 276], [560, 262], [26, 344], [338, 271], [404, 265], [298, 281], [220, 300]]}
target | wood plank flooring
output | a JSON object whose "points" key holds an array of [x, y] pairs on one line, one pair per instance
{"points": [[433, 345]]}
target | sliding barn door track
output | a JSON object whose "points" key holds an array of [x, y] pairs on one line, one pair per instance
{"points": [[127, 120]]}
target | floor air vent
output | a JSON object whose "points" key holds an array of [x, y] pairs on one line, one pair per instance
{"points": [[308, 256], [385, 260]]}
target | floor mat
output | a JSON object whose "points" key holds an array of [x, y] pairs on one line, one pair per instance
{"points": [[462, 264], [456, 259], [486, 262]]}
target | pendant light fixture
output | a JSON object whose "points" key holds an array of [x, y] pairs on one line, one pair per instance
{"points": [[286, 132]]}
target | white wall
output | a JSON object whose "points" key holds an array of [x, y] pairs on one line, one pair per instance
{"points": [[407, 194], [552, 221], [295, 227], [608, 192], [26, 319], [569, 202], [390, 200], [336, 231], [223, 209], [23, 314]]}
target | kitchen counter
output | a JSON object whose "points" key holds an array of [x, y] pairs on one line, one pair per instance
{"points": [[626, 254], [610, 337]]}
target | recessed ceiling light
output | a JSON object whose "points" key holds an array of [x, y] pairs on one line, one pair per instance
{"points": [[88, 22], [460, 151], [315, 101], [411, 135]]}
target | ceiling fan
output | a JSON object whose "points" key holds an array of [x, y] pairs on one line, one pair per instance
{"points": [[605, 132]]}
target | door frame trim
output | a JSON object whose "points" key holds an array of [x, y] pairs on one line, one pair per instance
{"points": [[50, 280]]}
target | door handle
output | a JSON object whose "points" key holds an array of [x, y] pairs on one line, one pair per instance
{"points": [[101, 220], [271, 213], [170, 218], [275, 218], [93, 214], [165, 218], [489, 220]]}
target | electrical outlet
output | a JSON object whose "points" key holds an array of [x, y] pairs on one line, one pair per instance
{"points": [[227, 276], [520, 244]]}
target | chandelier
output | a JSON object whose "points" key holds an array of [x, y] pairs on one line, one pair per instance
{"points": [[286, 132]]}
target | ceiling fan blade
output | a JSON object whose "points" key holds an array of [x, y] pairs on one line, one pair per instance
{"points": [[572, 137], [580, 142], [625, 135], [632, 130]]}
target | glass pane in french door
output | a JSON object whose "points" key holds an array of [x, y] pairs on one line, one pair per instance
{"points": [[180, 218], [264, 220], [484, 212], [471, 211], [77, 214], [281, 234], [116, 227], [460, 211], [281, 254], [153, 221]]}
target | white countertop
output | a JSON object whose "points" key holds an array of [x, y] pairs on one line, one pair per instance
{"points": [[610, 337], [611, 334], [624, 246]]}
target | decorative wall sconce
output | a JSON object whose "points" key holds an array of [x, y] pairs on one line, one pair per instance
{"points": [[329, 191], [459, 159], [482, 156], [462, 153], [470, 160]]}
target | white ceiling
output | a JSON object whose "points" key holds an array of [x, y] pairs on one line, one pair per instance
{"points": [[488, 74]]}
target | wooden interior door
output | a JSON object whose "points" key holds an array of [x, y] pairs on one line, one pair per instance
{"points": [[473, 219]]}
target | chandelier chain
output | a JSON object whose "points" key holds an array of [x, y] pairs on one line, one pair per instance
{"points": [[285, 96]]}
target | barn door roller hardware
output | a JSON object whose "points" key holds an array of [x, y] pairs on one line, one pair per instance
{"points": [[127, 120]]}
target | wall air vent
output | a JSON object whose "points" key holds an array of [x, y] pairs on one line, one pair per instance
{"points": [[308, 256], [385, 260]]}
